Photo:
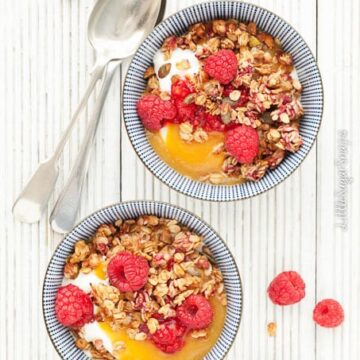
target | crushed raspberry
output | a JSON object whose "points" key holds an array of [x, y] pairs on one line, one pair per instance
{"points": [[186, 112], [207, 121], [180, 89], [168, 337], [242, 142], [222, 66], [128, 272], [73, 307], [287, 288], [195, 312], [328, 313], [152, 110]]}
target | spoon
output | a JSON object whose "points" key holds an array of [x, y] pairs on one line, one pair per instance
{"points": [[115, 30]]}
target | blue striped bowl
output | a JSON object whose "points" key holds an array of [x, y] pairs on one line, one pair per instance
{"points": [[61, 337], [309, 76]]}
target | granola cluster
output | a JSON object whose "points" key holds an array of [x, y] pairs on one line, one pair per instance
{"points": [[179, 266], [264, 94]]}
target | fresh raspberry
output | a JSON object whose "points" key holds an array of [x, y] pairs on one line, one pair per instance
{"points": [[169, 336], [287, 288], [171, 348], [169, 330], [195, 312], [180, 89], [73, 307], [153, 110], [128, 272], [328, 313], [222, 66], [242, 142]]}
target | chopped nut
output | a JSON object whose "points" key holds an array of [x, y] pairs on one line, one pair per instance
{"points": [[183, 65], [254, 41], [235, 95], [219, 27], [140, 336], [82, 344], [148, 73], [119, 346], [251, 27], [200, 135], [152, 325], [199, 334], [271, 329]]}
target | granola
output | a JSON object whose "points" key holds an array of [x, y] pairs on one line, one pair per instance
{"points": [[263, 94], [180, 268]]}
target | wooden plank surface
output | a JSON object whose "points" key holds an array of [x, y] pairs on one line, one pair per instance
{"points": [[45, 59]]}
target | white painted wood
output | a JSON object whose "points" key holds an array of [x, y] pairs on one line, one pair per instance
{"points": [[44, 64]]}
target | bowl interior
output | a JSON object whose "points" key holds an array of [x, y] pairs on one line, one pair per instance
{"points": [[292, 42], [61, 336]]}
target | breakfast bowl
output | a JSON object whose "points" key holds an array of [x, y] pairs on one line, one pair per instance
{"points": [[262, 141], [105, 235]]}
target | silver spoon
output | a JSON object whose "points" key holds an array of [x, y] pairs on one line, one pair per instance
{"points": [[115, 30]]}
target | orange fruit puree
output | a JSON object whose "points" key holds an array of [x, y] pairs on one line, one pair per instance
{"points": [[191, 159], [194, 349]]}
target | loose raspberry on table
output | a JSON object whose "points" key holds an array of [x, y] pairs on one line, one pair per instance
{"points": [[195, 312], [73, 307], [222, 66], [287, 288], [242, 142], [153, 110], [328, 313], [128, 272]]}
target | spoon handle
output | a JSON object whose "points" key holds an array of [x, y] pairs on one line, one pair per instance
{"points": [[63, 216], [32, 201]]}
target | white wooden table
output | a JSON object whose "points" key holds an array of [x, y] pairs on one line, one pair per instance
{"points": [[44, 64]]}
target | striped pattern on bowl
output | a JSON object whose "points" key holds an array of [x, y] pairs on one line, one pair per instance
{"points": [[292, 42], [61, 336]]}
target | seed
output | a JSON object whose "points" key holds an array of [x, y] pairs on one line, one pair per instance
{"points": [[164, 70]]}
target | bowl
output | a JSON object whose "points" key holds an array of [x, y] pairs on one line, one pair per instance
{"points": [[62, 338], [292, 42]]}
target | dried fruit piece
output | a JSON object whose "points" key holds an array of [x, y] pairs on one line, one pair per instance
{"points": [[287, 288], [73, 307], [328, 313], [195, 312], [153, 110], [242, 143], [222, 66], [128, 272]]}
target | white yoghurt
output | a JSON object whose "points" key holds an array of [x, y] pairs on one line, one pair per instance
{"points": [[84, 281], [92, 331], [177, 56]]}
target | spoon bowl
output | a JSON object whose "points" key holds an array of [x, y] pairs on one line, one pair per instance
{"points": [[111, 25]]}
